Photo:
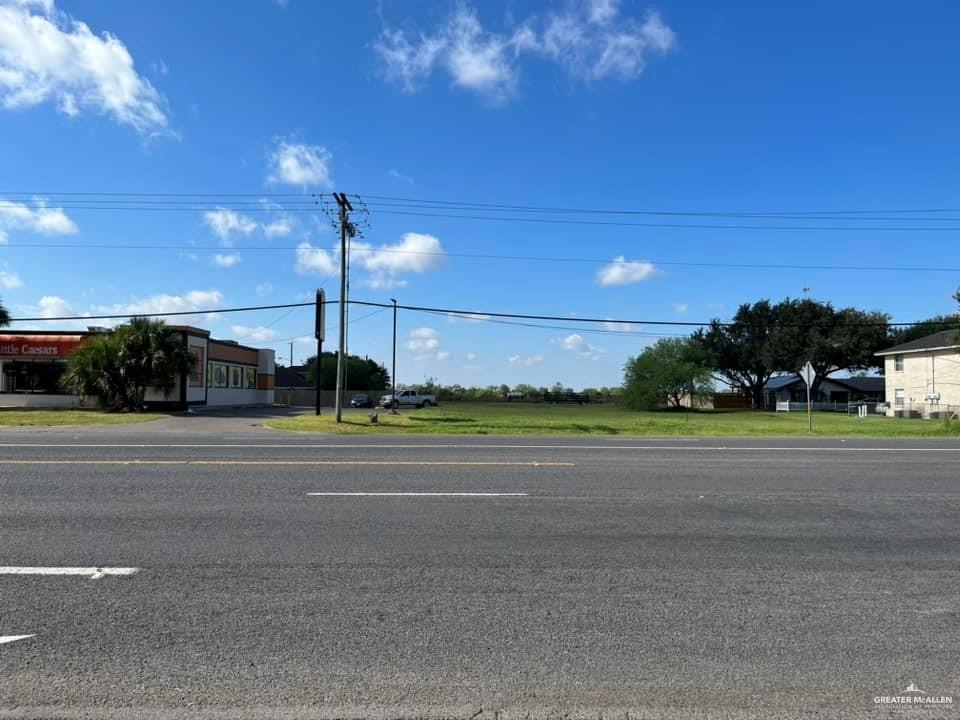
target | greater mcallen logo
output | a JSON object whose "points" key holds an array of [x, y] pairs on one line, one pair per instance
{"points": [[913, 696]]}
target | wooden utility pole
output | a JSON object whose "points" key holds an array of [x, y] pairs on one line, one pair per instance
{"points": [[345, 229]]}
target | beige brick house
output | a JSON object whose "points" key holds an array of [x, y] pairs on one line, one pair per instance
{"points": [[923, 376]]}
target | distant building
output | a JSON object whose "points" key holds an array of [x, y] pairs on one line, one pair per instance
{"points": [[226, 373], [837, 391], [292, 377], [923, 375]]}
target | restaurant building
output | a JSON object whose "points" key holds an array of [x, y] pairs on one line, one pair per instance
{"points": [[225, 373]]}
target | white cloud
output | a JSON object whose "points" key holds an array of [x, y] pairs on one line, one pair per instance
{"points": [[278, 228], [466, 317], [39, 218], [416, 253], [195, 300], [525, 361], [424, 343], [397, 175], [614, 326], [264, 289], [225, 223], [225, 261], [625, 272], [576, 344], [10, 280], [381, 281], [315, 260], [681, 308], [602, 44], [602, 12], [590, 41], [471, 356], [572, 342], [52, 306], [47, 56], [299, 164], [423, 340], [258, 334]]}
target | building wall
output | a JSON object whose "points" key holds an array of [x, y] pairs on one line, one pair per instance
{"points": [[924, 373]]}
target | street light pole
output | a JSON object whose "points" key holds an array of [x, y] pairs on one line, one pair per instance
{"points": [[393, 372]]}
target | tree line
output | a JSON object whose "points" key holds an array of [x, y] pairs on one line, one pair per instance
{"points": [[763, 339]]}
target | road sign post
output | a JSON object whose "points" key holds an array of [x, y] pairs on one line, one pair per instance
{"points": [[809, 375], [319, 319]]}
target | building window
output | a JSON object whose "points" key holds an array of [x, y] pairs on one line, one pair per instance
{"points": [[250, 378], [898, 363], [209, 374], [219, 375], [898, 397], [236, 376], [196, 372]]}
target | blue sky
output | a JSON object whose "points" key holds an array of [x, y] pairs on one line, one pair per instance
{"points": [[748, 107]]}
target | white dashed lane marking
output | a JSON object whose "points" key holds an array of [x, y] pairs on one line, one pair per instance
{"points": [[13, 638], [94, 573]]}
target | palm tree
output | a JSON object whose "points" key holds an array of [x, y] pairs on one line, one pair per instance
{"points": [[4, 316], [119, 367]]}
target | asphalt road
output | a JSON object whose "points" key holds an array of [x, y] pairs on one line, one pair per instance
{"points": [[704, 578]]}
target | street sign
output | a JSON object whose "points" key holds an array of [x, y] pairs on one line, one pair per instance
{"points": [[808, 375]]}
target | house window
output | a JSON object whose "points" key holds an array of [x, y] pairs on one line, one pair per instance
{"points": [[898, 397], [250, 378], [898, 363], [236, 376]]}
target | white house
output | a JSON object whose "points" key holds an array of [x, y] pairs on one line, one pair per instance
{"points": [[923, 376]]}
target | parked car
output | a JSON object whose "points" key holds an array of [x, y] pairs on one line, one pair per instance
{"points": [[361, 401], [408, 397]]}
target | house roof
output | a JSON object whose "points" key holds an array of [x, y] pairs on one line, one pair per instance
{"points": [[857, 384], [862, 384], [943, 340], [781, 381]]}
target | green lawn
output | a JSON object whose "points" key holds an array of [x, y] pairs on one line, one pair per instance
{"points": [[540, 419], [20, 417]]}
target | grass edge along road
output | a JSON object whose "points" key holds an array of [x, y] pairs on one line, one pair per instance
{"points": [[476, 418], [36, 417]]}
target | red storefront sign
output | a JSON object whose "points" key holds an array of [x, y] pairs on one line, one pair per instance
{"points": [[38, 347]]}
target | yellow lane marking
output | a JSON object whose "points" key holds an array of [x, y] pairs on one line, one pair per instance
{"points": [[418, 463]]}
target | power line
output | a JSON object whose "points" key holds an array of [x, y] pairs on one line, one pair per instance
{"points": [[488, 256], [684, 226], [555, 221], [179, 313], [468, 314], [461, 204]]}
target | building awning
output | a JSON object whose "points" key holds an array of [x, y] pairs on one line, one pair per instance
{"points": [[38, 347]]}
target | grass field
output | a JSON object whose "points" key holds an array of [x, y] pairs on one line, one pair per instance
{"points": [[539, 419], [19, 417]]}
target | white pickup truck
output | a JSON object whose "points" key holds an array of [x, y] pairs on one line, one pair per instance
{"points": [[408, 397]]}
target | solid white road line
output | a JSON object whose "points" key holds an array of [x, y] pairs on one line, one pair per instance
{"points": [[417, 494], [14, 638], [498, 446], [94, 573], [310, 463]]}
